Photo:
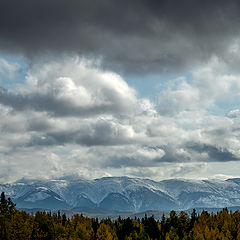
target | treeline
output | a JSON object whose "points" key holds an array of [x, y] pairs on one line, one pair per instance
{"points": [[19, 225]]}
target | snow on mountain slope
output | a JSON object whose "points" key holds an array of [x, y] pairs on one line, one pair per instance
{"points": [[123, 193], [41, 197]]}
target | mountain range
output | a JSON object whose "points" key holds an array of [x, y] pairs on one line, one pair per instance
{"points": [[123, 194]]}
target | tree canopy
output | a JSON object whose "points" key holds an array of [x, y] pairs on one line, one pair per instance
{"points": [[19, 225]]}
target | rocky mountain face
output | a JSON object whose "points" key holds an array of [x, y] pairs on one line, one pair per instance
{"points": [[124, 194]]}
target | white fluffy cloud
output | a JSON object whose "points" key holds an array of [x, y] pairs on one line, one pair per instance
{"points": [[73, 87], [208, 87], [69, 116]]}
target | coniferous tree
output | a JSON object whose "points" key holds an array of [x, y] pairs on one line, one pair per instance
{"points": [[18, 225]]}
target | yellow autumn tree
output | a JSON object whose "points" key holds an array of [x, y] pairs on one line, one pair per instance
{"points": [[21, 226], [104, 232]]}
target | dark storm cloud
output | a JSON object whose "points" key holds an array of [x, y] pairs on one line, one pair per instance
{"points": [[131, 36], [214, 153]]}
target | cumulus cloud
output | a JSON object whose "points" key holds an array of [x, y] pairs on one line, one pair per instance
{"points": [[207, 87], [71, 116], [71, 88], [88, 132], [234, 113]]}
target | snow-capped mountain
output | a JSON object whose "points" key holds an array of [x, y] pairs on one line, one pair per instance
{"points": [[124, 194]]}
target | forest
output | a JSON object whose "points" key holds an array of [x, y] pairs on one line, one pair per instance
{"points": [[19, 225]]}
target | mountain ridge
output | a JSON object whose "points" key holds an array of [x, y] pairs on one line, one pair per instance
{"points": [[124, 193]]}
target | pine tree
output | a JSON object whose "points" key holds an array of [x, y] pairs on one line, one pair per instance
{"points": [[3, 203]]}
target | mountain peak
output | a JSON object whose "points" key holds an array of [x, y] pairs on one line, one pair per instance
{"points": [[125, 193]]}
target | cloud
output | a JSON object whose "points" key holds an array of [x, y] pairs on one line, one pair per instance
{"points": [[8, 70], [88, 132], [70, 116], [71, 88], [213, 153], [131, 156], [208, 87], [165, 171], [137, 37], [234, 113], [73, 111]]}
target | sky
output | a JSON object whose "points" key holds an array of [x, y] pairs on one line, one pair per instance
{"points": [[139, 88]]}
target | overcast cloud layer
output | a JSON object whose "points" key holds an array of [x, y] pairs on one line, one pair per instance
{"points": [[70, 109], [138, 36]]}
